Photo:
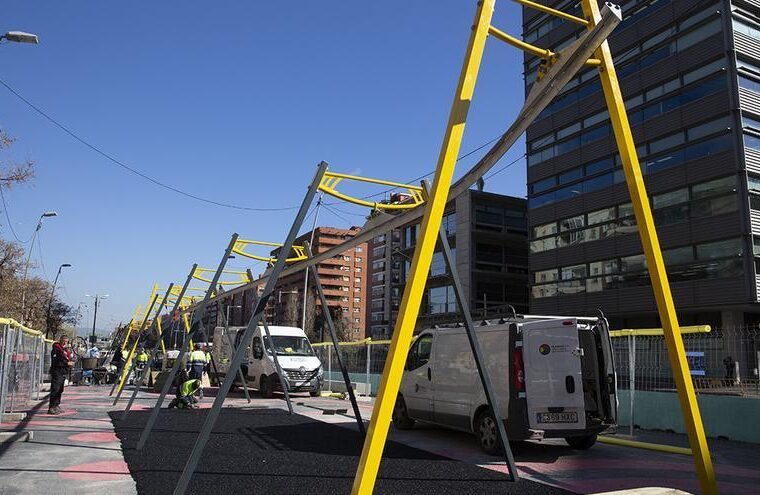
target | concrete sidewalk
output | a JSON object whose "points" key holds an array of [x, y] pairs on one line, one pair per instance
{"points": [[83, 452]]}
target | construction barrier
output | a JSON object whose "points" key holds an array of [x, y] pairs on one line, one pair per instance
{"points": [[24, 358]]}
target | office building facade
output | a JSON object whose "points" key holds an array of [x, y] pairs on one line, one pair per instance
{"points": [[690, 75]]}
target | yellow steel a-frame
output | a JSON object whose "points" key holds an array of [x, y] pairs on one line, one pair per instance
{"points": [[371, 456]]}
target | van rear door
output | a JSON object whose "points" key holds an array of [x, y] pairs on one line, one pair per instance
{"points": [[553, 376]]}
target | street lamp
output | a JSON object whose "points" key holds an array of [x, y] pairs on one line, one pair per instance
{"points": [[93, 338], [20, 37], [50, 301], [28, 259]]}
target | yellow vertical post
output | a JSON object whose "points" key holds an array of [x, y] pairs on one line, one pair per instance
{"points": [[130, 357], [132, 322], [160, 332], [374, 443], [655, 263]]}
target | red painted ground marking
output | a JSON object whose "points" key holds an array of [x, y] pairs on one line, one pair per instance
{"points": [[97, 471], [94, 437]]}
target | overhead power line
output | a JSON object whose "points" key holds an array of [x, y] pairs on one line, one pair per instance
{"points": [[127, 167], [8, 218]]}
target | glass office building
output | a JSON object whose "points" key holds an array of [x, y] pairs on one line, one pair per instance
{"points": [[690, 75]]}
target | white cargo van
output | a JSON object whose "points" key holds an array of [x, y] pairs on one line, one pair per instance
{"points": [[302, 368], [554, 377]]}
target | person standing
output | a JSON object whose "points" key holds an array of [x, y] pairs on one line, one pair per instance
{"points": [[197, 362], [60, 365]]}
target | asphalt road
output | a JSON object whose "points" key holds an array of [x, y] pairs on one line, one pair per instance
{"points": [[261, 450]]}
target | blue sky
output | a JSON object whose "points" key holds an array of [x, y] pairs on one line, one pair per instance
{"points": [[233, 101]]}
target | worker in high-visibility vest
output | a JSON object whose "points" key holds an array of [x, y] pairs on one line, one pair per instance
{"points": [[197, 362], [208, 359], [142, 358]]}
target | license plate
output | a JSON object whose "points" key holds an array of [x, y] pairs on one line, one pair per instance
{"points": [[562, 417]]}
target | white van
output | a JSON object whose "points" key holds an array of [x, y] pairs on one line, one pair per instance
{"points": [[554, 377], [302, 368]]}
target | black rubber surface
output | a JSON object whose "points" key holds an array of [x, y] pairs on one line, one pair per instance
{"points": [[269, 451]]}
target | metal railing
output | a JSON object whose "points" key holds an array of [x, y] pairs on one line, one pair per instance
{"points": [[721, 361], [24, 357]]}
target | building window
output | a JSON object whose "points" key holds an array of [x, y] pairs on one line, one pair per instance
{"points": [[441, 300], [358, 269], [358, 260], [358, 249], [357, 280]]}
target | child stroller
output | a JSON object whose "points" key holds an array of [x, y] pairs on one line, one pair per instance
{"points": [[187, 388]]}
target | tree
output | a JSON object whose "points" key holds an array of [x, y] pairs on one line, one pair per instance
{"points": [[12, 261], [11, 171]]}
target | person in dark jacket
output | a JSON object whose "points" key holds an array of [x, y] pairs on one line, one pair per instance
{"points": [[60, 365]]}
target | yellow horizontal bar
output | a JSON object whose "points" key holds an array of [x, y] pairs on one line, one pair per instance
{"points": [[367, 341], [644, 445], [239, 248], [13, 323], [657, 332], [527, 47], [331, 180], [242, 280], [555, 12], [373, 181]]}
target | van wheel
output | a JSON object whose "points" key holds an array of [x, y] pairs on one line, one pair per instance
{"points": [[401, 419], [584, 442], [265, 387], [487, 432], [316, 393]]}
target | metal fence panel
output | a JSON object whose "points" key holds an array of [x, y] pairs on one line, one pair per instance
{"points": [[23, 354]]}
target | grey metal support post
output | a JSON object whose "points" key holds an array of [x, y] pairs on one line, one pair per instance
{"points": [[334, 337], [198, 313], [232, 346], [4, 358], [280, 372], [631, 379], [258, 313], [141, 379], [15, 368], [369, 357], [36, 366], [133, 364], [480, 363], [40, 364]]}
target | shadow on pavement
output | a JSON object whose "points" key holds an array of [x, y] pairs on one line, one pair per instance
{"points": [[269, 450]]}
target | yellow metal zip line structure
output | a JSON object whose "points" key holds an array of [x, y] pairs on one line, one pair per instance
{"points": [[655, 263], [129, 327], [372, 451]]}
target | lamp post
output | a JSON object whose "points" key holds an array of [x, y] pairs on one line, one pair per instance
{"points": [[50, 301], [98, 297], [20, 37], [28, 259]]}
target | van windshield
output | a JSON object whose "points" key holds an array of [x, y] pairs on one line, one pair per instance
{"points": [[290, 345]]}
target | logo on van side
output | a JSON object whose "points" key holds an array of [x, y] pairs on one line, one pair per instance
{"points": [[544, 349]]}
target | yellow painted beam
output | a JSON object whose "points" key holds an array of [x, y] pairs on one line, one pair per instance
{"points": [[527, 47], [653, 254], [657, 332], [129, 327], [554, 12], [374, 442], [657, 447]]}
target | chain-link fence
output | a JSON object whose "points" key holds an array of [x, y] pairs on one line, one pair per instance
{"points": [[364, 361], [24, 357], [722, 361]]}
